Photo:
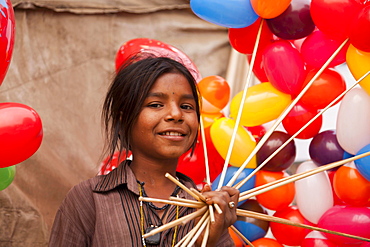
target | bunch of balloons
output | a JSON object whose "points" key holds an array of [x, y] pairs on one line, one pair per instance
{"points": [[20, 125], [296, 40]]}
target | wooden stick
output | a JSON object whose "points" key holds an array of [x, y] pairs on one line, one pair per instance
{"points": [[196, 228], [240, 184], [182, 186], [247, 194], [241, 235], [176, 222], [178, 199], [206, 235], [238, 117], [280, 119], [181, 204], [255, 215], [200, 230]]}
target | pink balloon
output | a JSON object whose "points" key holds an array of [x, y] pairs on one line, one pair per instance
{"points": [[346, 219], [284, 67], [318, 47]]}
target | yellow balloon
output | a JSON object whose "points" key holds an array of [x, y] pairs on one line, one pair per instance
{"points": [[263, 104], [221, 133], [359, 64]]}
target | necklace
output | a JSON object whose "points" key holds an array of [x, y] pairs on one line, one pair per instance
{"points": [[155, 239]]}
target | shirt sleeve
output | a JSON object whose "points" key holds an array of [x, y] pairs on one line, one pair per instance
{"points": [[74, 222]]}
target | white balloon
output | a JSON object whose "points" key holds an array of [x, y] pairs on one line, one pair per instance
{"points": [[353, 121], [314, 195]]}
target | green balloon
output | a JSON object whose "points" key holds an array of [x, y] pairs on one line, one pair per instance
{"points": [[6, 176]]}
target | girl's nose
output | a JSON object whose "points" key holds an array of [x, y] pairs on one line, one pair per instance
{"points": [[175, 114]]}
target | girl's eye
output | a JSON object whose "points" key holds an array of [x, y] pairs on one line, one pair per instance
{"points": [[155, 105], [187, 107]]}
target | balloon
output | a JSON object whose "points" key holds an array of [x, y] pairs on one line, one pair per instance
{"points": [[238, 242], [210, 118], [20, 133], [266, 242], [230, 171], [6, 176], [294, 23], [232, 14], [324, 148], [276, 58], [263, 104], [145, 47], [337, 200], [297, 118], [359, 34], [283, 159], [314, 194], [257, 131], [359, 63], [363, 164], [318, 47], [346, 219], [326, 88], [252, 228], [107, 166], [353, 121], [286, 234], [335, 18], [269, 8], [7, 33], [215, 93], [241, 39], [350, 186], [315, 238], [258, 68], [221, 132], [278, 198]]}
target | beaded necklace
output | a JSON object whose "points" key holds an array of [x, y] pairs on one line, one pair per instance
{"points": [[157, 237]]}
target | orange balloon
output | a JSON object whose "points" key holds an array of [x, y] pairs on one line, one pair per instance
{"points": [[237, 240], [350, 186], [270, 8], [209, 118], [266, 242], [278, 198], [215, 93]]}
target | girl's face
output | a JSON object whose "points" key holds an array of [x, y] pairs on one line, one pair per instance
{"points": [[167, 124]]}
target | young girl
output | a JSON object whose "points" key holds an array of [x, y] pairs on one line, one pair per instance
{"points": [[151, 109]]}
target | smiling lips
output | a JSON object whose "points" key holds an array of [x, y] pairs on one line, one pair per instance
{"points": [[171, 133]]}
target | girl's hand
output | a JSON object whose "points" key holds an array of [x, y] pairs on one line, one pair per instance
{"points": [[227, 199]]}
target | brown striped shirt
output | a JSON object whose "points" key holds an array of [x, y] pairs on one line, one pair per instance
{"points": [[105, 211]]}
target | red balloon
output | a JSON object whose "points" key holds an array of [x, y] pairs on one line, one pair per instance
{"points": [[20, 133], [279, 56], [337, 200], [146, 46], [360, 31], [257, 131], [297, 118], [327, 87], [318, 47], [286, 234], [335, 17], [107, 166], [258, 68], [243, 39], [315, 238], [7, 31], [266, 242]]}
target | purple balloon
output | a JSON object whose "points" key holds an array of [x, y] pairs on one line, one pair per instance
{"points": [[325, 149], [281, 160], [294, 23]]}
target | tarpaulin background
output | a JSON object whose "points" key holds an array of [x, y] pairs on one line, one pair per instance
{"points": [[63, 61]]}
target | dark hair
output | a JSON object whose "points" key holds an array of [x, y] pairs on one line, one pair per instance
{"points": [[127, 93]]}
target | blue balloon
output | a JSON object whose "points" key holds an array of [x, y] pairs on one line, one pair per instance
{"points": [[363, 164], [249, 230], [226, 13], [347, 155], [231, 170]]}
